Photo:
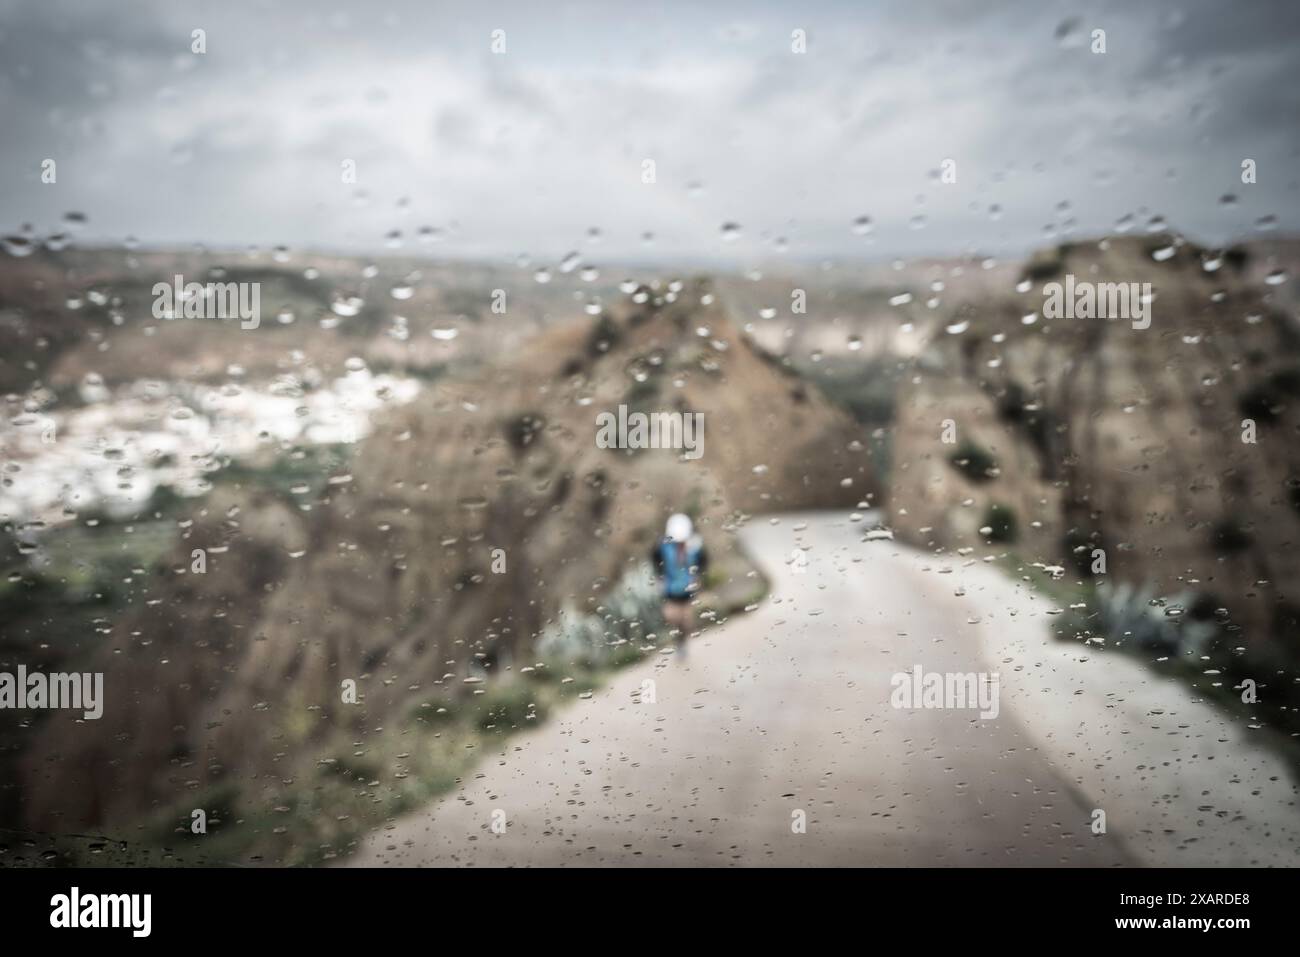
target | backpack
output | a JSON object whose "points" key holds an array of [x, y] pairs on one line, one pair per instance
{"points": [[678, 577]]}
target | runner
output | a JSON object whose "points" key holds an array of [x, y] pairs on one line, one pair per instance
{"points": [[680, 560]]}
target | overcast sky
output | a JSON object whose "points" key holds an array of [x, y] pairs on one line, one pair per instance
{"points": [[526, 151]]}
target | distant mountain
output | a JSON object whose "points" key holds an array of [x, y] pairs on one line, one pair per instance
{"points": [[78, 312]]}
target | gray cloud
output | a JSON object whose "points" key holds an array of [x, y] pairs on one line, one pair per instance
{"points": [[529, 150]]}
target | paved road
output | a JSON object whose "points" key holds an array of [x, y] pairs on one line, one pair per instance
{"points": [[785, 714]]}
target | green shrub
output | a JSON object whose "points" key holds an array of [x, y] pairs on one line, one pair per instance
{"points": [[436, 710], [1229, 536], [508, 705], [974, 462], [1001, 521]]}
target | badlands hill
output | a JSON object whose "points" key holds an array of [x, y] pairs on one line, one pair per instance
{"points": [[1169, 451], [392, 576]]}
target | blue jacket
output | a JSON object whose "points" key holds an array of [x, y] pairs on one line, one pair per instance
{"points": [[680, 565]]}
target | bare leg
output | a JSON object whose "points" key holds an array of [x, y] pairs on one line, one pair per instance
{"points": [[681, 621], [673, 618]]}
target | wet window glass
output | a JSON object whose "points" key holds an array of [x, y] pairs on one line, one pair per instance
{"points": [[781, 434]]}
